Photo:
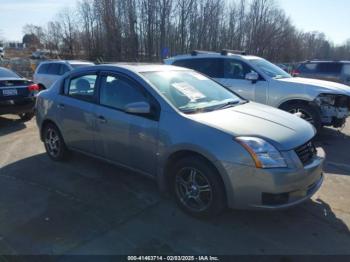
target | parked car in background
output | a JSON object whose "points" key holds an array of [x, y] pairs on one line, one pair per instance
{"points": [[17, 94], [336, 71], [283, 67], [322, 103], [198, 139], [2, 53], [49, 71]]}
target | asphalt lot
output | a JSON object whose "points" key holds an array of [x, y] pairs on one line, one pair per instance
{"points": [[85, 206]]}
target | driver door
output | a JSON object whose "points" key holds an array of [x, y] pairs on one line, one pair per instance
{"points": [[127, 139]]}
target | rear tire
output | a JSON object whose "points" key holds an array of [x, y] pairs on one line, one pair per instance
{"points": [[54, 143], [309, 113], [198, 188], [26, 116]]}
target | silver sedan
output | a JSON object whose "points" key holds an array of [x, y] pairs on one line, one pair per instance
{"points": [[201, 142]]}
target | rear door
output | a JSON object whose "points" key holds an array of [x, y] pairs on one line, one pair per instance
{"points": [[127, 139], [76, 113]]}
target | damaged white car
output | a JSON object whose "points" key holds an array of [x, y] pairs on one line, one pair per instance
{"points": [[322, 103]]}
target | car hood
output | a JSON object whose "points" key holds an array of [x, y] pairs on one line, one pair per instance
{"points": [[319, 85], [283, 130]]}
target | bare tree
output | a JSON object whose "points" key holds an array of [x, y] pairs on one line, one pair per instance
{"points": [[134, 30]]}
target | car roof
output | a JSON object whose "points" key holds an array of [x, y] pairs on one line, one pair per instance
{"points": [[325, 61], [142, 67], [72, 62], [212, 55]]}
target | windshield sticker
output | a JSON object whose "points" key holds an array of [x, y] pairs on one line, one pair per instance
{"points": [[188, 90]]}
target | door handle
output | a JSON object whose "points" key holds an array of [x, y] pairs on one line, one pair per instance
{"points": [[102, 119], [60, 106]]}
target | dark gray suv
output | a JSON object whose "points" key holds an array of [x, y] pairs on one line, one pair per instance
{"points": [[325, 70]]}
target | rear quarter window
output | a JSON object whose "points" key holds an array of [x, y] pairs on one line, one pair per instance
{"points": [[43, 69]]}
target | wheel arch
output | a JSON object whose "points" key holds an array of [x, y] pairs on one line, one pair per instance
{"points": [[42, 86], [294, 101], [44, 124], [176, 156]]}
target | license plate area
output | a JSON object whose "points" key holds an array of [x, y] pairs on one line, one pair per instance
{"points": [[9, 92]]}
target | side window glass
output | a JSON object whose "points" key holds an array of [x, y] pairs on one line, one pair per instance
{"points": [[182, 63], [346, 70], [82, 87], [43, 69], [308, 68], [235, 69], [54, 69], [329, 68], [63, 69], [117, 92], [211, 67]]}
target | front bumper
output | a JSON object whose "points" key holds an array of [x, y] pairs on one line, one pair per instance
{"points": [[253, 188]]}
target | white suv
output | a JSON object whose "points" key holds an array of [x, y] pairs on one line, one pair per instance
{"points": [[322, 103], [49, 71]]}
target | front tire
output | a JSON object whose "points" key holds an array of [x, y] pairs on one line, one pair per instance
{"points": [[308, 113], [54, 143], [198, 188]]}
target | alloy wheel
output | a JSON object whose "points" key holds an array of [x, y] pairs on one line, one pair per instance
{"points": [[193, 189], [52, 142]]}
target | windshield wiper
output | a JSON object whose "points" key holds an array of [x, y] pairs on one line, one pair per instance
{"points": [[227, 104]]}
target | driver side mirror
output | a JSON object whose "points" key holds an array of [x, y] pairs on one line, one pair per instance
{"points": [[252, 76], [141, 108]]}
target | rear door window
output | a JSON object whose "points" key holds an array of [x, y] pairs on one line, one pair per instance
{"points": [[329, 68], [54, 69], [212, 67]]}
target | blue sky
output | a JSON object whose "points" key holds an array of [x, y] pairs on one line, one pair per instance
{"points": [[329, 16]]}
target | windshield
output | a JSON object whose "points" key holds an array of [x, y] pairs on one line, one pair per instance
{"points": [[270, 69], [8, 73], [191, 92]]}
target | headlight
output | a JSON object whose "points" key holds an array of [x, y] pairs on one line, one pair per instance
{"points": [[325, 99], [263, 153]]}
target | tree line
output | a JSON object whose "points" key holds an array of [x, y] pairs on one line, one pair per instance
{"points": [[150, 30]]}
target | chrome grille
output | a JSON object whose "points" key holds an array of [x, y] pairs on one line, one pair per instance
{"points": [[306, 152]]}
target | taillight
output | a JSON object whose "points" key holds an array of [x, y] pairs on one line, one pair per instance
{"points": [[33, 87], [295, 72]]}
